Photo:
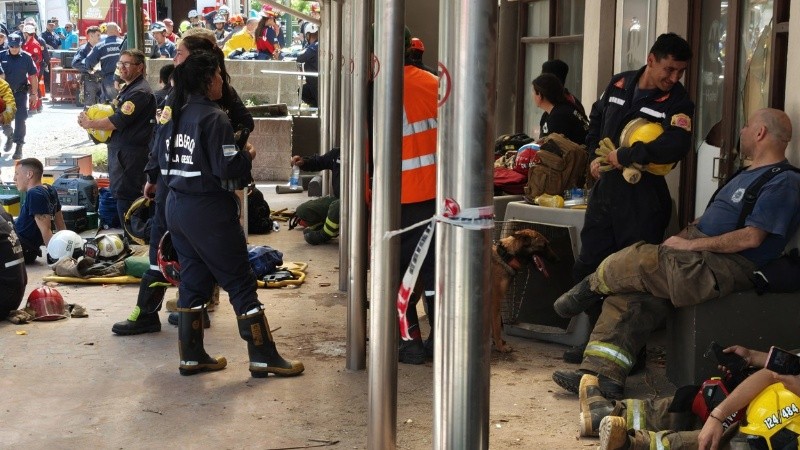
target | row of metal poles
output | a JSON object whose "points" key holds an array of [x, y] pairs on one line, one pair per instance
{"points": [[348, 66]]}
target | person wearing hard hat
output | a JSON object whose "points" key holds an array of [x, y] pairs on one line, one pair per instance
{"points": [[414, 55], [220, 33], [194, 18], [309, 57], [269, 35], [620, 213], [162, 47], [21, 74], [243, 40], [132, 123]]}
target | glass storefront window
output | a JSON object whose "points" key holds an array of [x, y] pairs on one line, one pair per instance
{"points": [[711, 60], [638, 32], [754, 54]]}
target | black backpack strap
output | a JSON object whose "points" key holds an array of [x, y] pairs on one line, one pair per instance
{"points": [[754, 190]]}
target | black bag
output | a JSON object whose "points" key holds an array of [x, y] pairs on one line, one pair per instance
{"points": [[780, 275], [511, 142], [258, 212]]}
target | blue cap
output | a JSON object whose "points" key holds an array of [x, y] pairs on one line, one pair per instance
{"points": [[14, 40]]}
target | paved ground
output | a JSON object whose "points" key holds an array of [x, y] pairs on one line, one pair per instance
{"points": [[73, 384]]}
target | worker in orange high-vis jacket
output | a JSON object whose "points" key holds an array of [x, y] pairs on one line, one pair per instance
{"points": [[418, 192]]}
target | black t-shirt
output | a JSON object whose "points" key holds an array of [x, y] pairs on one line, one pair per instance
{"points": [[566, 120]]}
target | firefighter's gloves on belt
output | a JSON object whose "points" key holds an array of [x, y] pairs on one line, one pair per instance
{"points": [[631, 174]]}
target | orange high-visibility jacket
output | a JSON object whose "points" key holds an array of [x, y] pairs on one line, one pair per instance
{"points": [[420, 91]]}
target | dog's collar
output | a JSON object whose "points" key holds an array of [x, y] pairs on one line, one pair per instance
{"points": [[507, 258]]}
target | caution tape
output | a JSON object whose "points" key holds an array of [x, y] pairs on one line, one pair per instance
{"points": [[480, 218]]}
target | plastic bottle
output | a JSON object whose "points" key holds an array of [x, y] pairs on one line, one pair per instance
{"points": [[552, 201], [294, 181]]}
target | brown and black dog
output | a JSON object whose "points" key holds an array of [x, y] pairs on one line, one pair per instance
{"points": [[508, 256]]}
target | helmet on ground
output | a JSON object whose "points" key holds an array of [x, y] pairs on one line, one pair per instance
{"points": [[312, 28], [64, 243], [168, 260], [46, 304], [137, 220], [773, 419], [107, 247], [158, 27], [640, 130], [99, 111], [416, 44], [219, 18]]}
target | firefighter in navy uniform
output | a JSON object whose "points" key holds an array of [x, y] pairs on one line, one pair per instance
{"points": [[133, 121], [202, 167], [620, 213], [107, 53], [144, 318], [21, 74]]}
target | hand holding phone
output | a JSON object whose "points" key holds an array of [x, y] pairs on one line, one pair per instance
{"points": [[732, 362], [783, 362]]}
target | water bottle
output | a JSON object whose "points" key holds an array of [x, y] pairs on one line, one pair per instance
{"points": [[552, 201], [294, 181]]}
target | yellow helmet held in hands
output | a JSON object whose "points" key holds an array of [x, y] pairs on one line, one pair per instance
{"points": [[642, 130], [99, 111]]}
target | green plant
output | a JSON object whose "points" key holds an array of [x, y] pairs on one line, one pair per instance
{"points": [[100, 158]]}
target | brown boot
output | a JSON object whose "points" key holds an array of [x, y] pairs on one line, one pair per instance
{"points": [[264, 357], [613, 433]]}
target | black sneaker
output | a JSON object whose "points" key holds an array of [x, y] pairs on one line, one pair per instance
{"points": [[571, 381], [576, 300], [594, 407], [138, 323], [411, 352]]}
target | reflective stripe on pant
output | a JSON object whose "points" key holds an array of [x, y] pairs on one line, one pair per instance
{"points": [[621, 331]]}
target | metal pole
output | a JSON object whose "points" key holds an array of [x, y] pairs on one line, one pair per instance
{"points": [[324, 111], [335, 65], [135, 19], [388, 138], [467, 33], [345, 123], [357, 228]]}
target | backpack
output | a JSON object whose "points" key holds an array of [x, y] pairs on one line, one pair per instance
{"points": [[510, 142], [258, 212], [560, 164], [264, 260]]}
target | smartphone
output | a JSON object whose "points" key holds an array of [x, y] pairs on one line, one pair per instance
{"points": [[783, 362], [733, 362]]}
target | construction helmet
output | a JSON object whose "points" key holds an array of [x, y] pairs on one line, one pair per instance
{"points": [[64, 243], [168, 260], [773, 419], [137, 220], [185, 25], [236, 20], [110, 247], [103, 27], [416, 44], [46, 303], [158, 27], [315, 7], [99, 111], [219, 18], [192, 14], [312, 28]]}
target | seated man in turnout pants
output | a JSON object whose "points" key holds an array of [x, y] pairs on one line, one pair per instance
{"points": [[320, 216], [709, 260], [668, 422]]}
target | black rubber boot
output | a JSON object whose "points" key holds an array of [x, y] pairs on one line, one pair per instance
{"points": [[144, 318], [264, 357], [173, 318], [194, 358]]}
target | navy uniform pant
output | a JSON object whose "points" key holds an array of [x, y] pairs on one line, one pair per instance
{"points": [[18, 136], [210, 244]]}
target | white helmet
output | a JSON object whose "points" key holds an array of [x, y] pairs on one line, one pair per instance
{"points": [[110, 246], [192, 14], [64, 243], [312, 28]]}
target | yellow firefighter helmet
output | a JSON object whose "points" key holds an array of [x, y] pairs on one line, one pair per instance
{"points": [[99, 111], [773, 419]]}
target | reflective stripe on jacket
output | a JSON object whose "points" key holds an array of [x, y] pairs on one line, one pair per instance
{"points": [[420, 90]]}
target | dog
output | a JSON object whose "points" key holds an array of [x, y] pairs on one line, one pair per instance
{"points": [[508, 256]]}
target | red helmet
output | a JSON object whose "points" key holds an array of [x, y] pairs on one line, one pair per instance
{"points": [[168, 260], [47, 304], [416, 44], [315, 7]]}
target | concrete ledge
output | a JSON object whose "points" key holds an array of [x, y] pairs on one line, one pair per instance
{"points": [[743, 318]]}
